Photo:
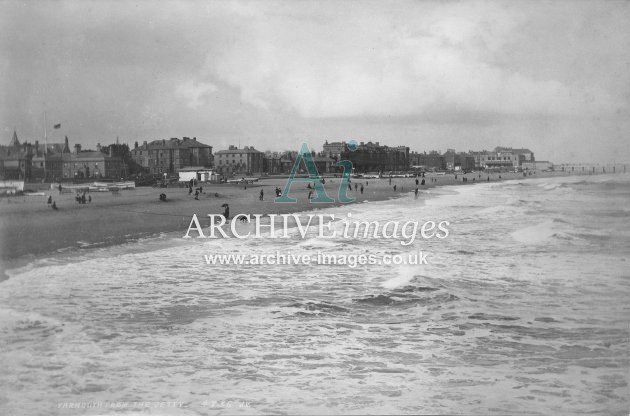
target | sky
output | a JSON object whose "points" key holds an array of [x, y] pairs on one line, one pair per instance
{"points": [[551, 76]]}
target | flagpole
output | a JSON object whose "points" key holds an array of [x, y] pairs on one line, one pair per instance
{"points": [[45, 145]]}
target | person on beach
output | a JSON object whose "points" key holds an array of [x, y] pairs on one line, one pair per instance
{"points": [[89, 199], [200, 189], [394, 187], [417, 182], [416, 192], [54, 205], [49, 199], [190, 190], [350, 187], [310, 194], [361, 189], [226, 212], [60, 188], [262, 194], [197, 195], [422, 182]]}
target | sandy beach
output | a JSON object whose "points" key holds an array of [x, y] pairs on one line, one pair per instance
{"points": [[30, 228]]}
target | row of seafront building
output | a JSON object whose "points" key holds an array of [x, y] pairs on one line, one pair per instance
{"points": [[167, 157], [170, 156], [36, 161]]}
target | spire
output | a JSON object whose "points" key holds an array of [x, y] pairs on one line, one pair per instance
{"points": [[66, 147], [14, 140]]}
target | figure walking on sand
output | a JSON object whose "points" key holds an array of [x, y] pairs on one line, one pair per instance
{"points": [[226, 211], [262, 195]]}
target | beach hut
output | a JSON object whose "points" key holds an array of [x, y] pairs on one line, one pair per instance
{"points": [[199, 174]]}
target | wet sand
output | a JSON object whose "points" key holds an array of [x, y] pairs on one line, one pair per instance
{"points": [[29, 228]]}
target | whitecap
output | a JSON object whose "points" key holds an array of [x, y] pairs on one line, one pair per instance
{"points": [[535, 234], [405, 275]]}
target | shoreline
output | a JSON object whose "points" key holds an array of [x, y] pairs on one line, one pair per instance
{"points": [[31, 230]]}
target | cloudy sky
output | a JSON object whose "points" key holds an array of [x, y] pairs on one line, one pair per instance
{"points": [[552, 76]]}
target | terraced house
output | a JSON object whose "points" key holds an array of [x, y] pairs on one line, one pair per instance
{"points": [[169, 156], [235, 161]]}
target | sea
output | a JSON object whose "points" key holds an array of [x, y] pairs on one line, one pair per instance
{"points": [[522, 309]]}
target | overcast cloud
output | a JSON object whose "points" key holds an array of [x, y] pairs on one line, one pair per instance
{"points": [[551, 76]]}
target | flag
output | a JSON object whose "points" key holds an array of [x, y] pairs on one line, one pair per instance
{"points": [[57, 126]]}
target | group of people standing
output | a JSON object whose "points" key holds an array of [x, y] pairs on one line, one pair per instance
{"points": [[198, 190]]}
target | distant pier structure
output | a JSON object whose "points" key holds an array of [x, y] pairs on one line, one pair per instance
{"points": [[591, 168]]}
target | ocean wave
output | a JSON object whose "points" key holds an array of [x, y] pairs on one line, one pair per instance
{"points": [[535, 234], [407, 296], [14, 323]]}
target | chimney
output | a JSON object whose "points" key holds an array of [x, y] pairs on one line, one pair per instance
{"points": [[194, 139], [77, 149], [135, 145], [144, 143], [36, 147], [98, 147], [163, 142]]}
